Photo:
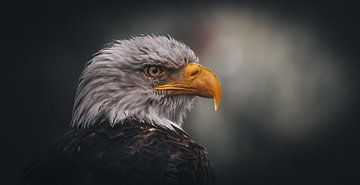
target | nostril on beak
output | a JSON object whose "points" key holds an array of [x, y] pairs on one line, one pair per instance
{"points": [[195, 73]]}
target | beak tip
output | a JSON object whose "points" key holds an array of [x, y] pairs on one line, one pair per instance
{"points": [[216, 105]]}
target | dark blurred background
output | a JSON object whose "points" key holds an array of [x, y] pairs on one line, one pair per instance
{"points": [[289, 71]]}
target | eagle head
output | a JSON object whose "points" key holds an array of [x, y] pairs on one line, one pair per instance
{"points": [[150, 78]]}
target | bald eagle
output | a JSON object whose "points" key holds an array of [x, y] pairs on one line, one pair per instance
{"points": [[131, 102]]}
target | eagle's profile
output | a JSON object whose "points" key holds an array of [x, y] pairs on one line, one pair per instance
{"points": [[132, 99]]}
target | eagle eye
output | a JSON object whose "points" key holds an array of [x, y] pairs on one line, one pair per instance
{"points": [[154, 71]]}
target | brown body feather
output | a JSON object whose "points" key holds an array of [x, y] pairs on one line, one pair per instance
{"points": [[128, 153]]}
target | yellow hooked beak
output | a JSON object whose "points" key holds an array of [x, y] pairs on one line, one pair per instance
{"points": [[198, 80]]}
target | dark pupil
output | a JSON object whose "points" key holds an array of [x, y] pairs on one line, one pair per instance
{"points": [[154, 70]]}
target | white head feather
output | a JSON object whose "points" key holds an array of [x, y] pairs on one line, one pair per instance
{"points": [[113, 86]]}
